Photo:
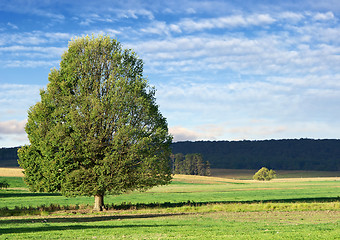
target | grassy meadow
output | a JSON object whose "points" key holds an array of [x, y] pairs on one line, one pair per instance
{"points": [[223, 206]]}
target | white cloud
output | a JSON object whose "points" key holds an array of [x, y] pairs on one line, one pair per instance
{"points": [[175, 28], [47, 51], [159, 28], [266, 54], [291, 16], [13, 127], [30, 64], [15, 99], [316, 81], [260, 19], [89, 19], [201, 132], [190, 11], [13, 26], [86, 21], [324, 16], [57, 36], [281, 106], [182, 134], [257, 129], [30, 50], [13, 140], [47, 14], [34, 38], [38, 8], [134, 13], [191, 25]]}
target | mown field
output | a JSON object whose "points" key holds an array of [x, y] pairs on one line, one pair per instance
{"points": [[191, 207]]}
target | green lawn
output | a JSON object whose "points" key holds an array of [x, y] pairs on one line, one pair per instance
{"points": [[14, 182], [300, 209], [222, 225], [179, 192]]}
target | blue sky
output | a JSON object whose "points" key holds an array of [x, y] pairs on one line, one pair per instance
{"points": [[223, 70]]}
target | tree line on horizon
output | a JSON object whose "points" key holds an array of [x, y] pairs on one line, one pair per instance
{"points": [[9, 157], [285, 154]]}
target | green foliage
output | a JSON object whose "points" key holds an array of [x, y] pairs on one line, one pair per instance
{"points": [[264, 174], [97, 128], [190, 164], [4, 184]]}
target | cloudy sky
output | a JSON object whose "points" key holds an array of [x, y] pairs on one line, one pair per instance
{"points": [[223, 70]]}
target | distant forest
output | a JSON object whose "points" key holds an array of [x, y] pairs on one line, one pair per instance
{"points": [[8, 157], [290, 154]]}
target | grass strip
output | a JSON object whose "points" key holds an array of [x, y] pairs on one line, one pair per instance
{"points": [[188, 207]]}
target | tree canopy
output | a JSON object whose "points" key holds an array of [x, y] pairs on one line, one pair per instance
{"points": [[97, 129]]}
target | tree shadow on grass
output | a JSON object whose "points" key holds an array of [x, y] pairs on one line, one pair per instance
{"points": [[82, 219], [287, 200], [48, 228], [138, 206], [26, 194], [127, 206]]}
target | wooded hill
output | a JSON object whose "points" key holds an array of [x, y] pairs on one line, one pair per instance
{"points": [[290, 154], [9, 157]]}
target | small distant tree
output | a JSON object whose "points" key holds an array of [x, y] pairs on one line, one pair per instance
{"points": [[264, 174], [4, 184]]}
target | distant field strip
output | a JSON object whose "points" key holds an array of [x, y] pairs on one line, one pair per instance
{"points": [[223, 176], [223, 180], [11, 172]]}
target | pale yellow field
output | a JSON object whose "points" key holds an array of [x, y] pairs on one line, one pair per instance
{"points": [[218, 178], [11, 172], [205, 179], [214, 180]]}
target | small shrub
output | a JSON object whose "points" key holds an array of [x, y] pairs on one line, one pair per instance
{"points": [[264, 174], [4, 184]]}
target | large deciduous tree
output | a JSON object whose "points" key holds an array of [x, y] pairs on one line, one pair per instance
{"points": [[97, 129]]}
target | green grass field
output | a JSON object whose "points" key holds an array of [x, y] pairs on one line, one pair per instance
{"points": [[191, 207], [220, 225]]}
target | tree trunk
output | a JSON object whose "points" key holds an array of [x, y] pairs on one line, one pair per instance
{"points": [[98, 203]]}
